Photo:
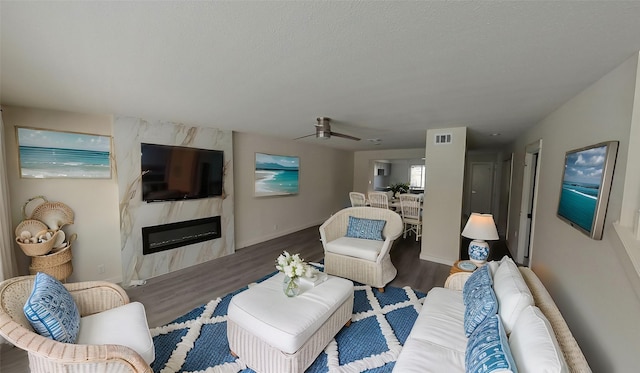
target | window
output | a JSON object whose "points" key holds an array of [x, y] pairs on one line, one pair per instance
{"points": [[416, 176]]}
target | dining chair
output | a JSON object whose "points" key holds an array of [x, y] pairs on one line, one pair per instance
{"points": [[410, 208], [379, 199], [357, 199]]}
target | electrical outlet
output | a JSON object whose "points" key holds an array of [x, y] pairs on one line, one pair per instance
{"points": [[101, 268]]}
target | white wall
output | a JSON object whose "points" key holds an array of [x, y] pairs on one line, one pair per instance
{"points": [[326, 177], [441, 217], [584, 276], [94, 201], [363, 165]]}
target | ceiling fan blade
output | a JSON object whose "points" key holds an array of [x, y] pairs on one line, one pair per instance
{"points": [[302, 137], [336, 134]]}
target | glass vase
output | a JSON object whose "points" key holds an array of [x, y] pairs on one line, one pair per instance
{"points": [[290, 286]]}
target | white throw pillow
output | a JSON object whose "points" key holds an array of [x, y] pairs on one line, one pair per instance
{"points": [[512, 293], [533, 344], [495, 264]]}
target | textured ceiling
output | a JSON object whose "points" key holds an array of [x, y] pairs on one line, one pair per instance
{"points": [[387, 70]]}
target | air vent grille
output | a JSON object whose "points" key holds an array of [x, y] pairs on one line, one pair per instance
{"points": [[443, 138]]}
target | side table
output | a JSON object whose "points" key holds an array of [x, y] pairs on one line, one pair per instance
{"points": [[463, 266]]}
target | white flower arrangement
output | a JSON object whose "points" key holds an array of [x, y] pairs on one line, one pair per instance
{"points": [[293, 266]]}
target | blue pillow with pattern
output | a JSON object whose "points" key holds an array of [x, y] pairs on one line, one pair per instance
{"points": [[370, 229], [481, 277], [51, 310], [488, 349], [479, 308]]}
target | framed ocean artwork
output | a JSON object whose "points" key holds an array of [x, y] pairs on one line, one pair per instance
{"points": [[58, 154], [276, 175], [586, 184]]}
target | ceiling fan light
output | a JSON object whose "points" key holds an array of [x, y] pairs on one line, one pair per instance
{"points": [[320, 134]]}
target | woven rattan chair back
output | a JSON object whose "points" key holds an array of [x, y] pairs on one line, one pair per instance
{"points": [[379, 199], [357, 199]]}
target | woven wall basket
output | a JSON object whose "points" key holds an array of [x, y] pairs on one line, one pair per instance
{"points": [[57, 264], [34, 227]]}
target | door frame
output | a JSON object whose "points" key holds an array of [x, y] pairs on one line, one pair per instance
{"points": [[530, 183]]}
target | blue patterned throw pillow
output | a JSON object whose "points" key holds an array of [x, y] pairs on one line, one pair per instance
{"points": [[488, 349], [51, 310], [369, 229], [481, 277], [479, 308]]}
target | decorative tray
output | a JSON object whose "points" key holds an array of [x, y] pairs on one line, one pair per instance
{"points": [[466, 265]]}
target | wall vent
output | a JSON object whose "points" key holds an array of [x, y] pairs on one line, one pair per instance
{"points": [[443, 138]]}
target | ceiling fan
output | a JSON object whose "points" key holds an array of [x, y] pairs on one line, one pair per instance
{"points": [[323, 131]]}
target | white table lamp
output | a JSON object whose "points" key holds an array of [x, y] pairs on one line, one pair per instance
{"points": [[480, 227]]}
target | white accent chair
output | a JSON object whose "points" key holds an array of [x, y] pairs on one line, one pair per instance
{"points": [[379, 199], [411, 210], [100, 346], [357, 199], [362, 260]]}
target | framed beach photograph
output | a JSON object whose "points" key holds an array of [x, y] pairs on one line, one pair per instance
{"points": [[586, 184], [58, 154], [276, 175]]}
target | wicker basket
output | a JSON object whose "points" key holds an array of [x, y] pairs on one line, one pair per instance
{"points": [[54, 214], [57, 264], [32, 226], [35, 249]]}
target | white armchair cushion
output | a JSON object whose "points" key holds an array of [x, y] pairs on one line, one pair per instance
{"points": [[532, 332], [356, 247], [512, 293], [125, 325]]}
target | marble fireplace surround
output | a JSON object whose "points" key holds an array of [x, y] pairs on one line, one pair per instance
{"points": [[128, 133]]}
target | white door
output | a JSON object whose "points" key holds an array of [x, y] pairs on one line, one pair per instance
{"points": [[481, 187]]}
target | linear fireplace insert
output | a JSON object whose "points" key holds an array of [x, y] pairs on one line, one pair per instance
{"points": [[169, 236]]}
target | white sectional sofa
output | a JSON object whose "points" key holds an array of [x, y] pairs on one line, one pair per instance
{"points": [[532, 335]]}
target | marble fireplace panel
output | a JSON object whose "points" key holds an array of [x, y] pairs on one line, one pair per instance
{"points": [[135, 214]]}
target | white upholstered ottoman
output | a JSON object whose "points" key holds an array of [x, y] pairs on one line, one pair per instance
{"points": [[273, 333]]}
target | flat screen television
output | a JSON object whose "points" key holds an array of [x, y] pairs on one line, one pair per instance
{"points": [[586, 184], [173, 173]]}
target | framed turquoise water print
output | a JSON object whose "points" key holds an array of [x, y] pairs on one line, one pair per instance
{"points": [[276, 175], [586, 184], [58, 154]]}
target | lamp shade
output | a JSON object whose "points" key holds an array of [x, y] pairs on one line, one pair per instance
{"points": [[480, 227]]}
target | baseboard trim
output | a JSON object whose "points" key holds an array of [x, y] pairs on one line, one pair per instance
{"points": [[284, 232], [437, 260]]}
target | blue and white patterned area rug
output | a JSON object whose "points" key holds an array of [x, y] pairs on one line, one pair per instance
{"points": [[197, 341]]}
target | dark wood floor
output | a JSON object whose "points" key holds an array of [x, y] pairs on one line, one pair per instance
{"points": [[169, 296]]}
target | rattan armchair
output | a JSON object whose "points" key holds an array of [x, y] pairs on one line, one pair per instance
{"points": [[376, 273], [47, 355]]}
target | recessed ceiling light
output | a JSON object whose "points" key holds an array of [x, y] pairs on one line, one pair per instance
{"points": [[495, 134], [374, 140]]}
